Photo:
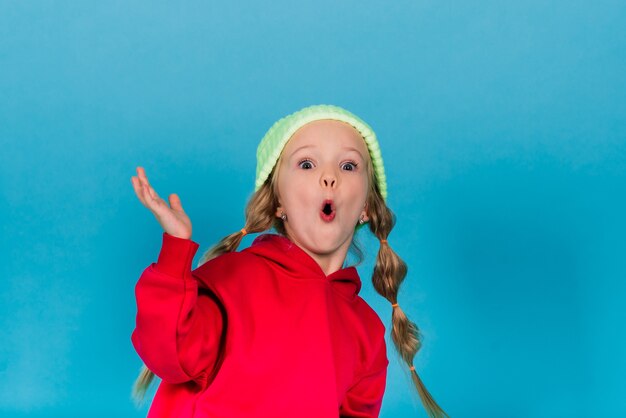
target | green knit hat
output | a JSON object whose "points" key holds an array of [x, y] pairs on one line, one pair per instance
{"points": [[277, 136]]}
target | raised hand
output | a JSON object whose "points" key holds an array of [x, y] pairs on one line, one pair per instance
{"points": [[172, 218]]}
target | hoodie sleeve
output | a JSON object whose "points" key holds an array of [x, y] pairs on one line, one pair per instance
{"points": [[178, 331], [364, 398]]}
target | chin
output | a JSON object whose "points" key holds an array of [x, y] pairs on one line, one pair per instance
{"points": [[337, 241]]}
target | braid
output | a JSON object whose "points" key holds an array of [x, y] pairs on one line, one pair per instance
{"points": [[141, 385], [259, 218], [389, 273]]}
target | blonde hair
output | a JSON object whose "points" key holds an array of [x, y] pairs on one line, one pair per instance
{"points": [[388, 274]]}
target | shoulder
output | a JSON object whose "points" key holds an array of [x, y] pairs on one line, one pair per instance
{"points": [[373, 340], [230, 265], [370, 317], [239, 259], [371, 330]]}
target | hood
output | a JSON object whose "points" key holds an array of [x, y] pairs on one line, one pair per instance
{"points": [[296, 263]]}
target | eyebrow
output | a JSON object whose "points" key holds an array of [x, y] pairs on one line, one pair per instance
{"points": [[306, 146], [354, 149], [345, 148]]}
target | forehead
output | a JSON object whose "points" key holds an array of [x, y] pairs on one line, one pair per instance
{"points": [[326, 131]]}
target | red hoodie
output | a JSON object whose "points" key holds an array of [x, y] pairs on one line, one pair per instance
{"points": [[262, 332]]}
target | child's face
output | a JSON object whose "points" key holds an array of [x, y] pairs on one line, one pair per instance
{"points": [[323, 160]]}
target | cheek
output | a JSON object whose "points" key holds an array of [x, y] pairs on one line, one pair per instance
{"points": [[292, 189], [360, 186], [361, 190]]}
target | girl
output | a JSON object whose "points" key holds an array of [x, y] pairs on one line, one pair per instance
{"points": [[278, 329]]}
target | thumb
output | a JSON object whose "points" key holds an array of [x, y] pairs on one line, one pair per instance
{"points": [[175, 202]]}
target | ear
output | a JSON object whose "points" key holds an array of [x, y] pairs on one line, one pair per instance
{"points": [[364, 213], [279, 211]]}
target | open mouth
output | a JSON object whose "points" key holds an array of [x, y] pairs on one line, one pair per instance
{"points": [[328, 210]]}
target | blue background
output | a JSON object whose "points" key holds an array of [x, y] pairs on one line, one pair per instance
{"points": [[503, 130]]}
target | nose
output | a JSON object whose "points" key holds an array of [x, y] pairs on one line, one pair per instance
{"points": [[328, 180]]}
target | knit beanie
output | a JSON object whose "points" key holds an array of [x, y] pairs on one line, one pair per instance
{"points": [[274, 141]]}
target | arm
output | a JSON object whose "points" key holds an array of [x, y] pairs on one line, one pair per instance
{"points": [[178, 331], [364, 398]]}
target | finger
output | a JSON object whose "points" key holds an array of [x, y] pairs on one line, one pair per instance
{"points": [[136, 186], [175, 203], [138, 190], [153, 201], [144, 180], [151, 198], [141, 173], [153, 194]]}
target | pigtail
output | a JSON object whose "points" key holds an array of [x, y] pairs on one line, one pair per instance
{"points": [[142, 383], [259, 218], [389, 273]]}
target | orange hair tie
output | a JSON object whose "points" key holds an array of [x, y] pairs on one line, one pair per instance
{"points": [[412, 368], [383, 241], [393, 305], [243, 231]]}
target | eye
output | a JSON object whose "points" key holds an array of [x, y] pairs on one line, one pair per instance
{"points": [[305, 161], [350, 164]]}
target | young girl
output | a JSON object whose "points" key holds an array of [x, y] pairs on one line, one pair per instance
{"points": [[278, 329]]}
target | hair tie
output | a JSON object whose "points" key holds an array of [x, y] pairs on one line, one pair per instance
{"points": [[243, 231], [383, 241], [412, 368], [393, 305]]}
